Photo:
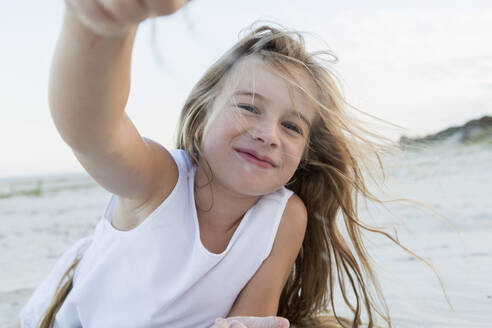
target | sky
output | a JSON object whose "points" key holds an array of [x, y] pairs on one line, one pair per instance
{"points": [[421, 65]]}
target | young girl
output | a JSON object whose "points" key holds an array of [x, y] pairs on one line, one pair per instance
{"points": [[241, 219]]}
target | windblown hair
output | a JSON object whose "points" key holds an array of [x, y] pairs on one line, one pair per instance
{"points": [[61, 292], [329, 180]]}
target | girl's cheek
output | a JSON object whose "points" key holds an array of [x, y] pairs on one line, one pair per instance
{"points": [[292, 156], [297, 148], [241, 123], [299, 153]]}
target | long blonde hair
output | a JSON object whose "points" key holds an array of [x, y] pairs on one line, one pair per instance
{"points": [[329, 180]]}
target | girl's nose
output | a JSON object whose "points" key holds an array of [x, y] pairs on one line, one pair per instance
{"points": [[265, 133]]}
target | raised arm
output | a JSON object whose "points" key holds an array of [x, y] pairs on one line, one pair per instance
{"points": [[89, 83], [88, 92]]}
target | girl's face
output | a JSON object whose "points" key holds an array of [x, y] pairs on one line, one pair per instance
{"points": [[257, 133]]}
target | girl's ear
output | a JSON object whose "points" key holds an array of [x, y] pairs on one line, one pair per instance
{"points": [[200, 134]]}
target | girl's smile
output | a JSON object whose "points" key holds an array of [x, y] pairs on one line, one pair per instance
{"points": [[253, 157], [257, 129]]}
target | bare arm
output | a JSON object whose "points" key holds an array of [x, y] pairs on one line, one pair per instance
{"points": [[261, 295], [88, 92], [257, 304], [89, 83]]}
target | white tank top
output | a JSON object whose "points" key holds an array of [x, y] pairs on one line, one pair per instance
{"points": [[159, 274]]}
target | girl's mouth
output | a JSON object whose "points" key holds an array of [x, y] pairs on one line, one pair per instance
{"points": [[254, 160]]}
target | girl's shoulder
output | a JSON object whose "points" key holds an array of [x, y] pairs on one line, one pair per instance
{"points": [[127, 214], [182, 159], [281, 195]]}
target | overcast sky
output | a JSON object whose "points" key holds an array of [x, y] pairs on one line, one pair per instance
{"points": [[423, 65]]}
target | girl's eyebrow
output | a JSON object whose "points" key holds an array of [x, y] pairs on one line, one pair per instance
{"points": [[251, 94], [264, 99], [302, 117]]}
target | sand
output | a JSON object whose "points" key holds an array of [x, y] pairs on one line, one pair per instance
{"points": [[39, 222]]}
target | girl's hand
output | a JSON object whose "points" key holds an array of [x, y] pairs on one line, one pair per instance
{"points": [[251, 322], [116, 17]]}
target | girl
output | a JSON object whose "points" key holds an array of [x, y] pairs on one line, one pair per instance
{"points": [[240, 219]]}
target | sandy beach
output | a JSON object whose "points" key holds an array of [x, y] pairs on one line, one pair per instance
{"points": [[43, 216]]}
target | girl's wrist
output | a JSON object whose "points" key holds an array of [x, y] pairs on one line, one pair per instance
{"points": [[83, 27]]}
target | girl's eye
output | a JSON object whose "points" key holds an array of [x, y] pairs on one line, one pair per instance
{"points": [[288, 125], [293, 127], [249, 108]]}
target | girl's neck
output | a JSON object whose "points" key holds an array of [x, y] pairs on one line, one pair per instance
{"points": [[226, 210]]}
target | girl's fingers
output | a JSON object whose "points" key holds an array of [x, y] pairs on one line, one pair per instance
{"points": [[127, 11], [220, 323], [236, 324], [95, 17], [163, 7], [117, 17], [262, 322]]}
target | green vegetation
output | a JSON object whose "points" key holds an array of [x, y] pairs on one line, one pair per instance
{"points": [[34, 192], [473, 132]]}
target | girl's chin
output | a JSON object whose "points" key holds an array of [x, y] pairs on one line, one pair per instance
{"points": [[249, 181], [253, 189]]}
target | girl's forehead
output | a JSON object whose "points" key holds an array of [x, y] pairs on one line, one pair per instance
{"points": [[252, 69]]}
